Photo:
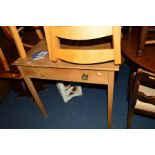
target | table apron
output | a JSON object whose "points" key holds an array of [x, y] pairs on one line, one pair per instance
{"points": [[63, 74]]}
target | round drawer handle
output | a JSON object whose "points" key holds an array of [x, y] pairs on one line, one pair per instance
{"points": [[84, 76]]}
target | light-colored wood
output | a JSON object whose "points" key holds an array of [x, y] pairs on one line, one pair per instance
{"points": [[110, 96], [117, 45], [92, 47], [41, 46], [150, 42], [34, 93], [18, 42], [28, 45], [74, 75], [10, 75], [39, 33], [4, 62], [20, 29], [7, 32], [81, 56], [52, 42], [60, 64], [102, 73], [82, 33]]}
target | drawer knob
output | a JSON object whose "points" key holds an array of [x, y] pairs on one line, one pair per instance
{"points": [[84, 76]]}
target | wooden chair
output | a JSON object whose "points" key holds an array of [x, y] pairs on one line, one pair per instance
{"points": [[9, 54], [144, 38], [6, 70], [93, 64], [83, 56], [142, 94], [9, 75]]}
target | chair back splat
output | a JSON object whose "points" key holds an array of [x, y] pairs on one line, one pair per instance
{"points": [[142, 94], [81, 55]]}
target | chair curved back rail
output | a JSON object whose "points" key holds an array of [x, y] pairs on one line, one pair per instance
{"points": [[83, 56]]}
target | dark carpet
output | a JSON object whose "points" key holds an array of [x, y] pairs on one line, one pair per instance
{"points": [[85, 112]]}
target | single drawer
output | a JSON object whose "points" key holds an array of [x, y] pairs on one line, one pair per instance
{"points": [[75, 75]]}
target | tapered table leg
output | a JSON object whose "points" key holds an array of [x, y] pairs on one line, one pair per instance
{"points": [[110, 97], [35, 95]]}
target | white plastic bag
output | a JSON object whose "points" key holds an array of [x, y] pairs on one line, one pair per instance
{"points": [[69, 91]]}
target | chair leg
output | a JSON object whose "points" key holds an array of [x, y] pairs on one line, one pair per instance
{"points": [[35, 95], [142, 40], [110, 96], [129, 121], [4, 61]]}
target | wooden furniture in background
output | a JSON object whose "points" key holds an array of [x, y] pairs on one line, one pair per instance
{"points": [[129, 45], [9, 36], [139, 77], [29, 36], [101, 73], [4, 62], [6, 70], [21, 30], [144, 40], [142, 94], [8, 73]]}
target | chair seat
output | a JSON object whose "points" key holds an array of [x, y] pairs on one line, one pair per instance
{"points": [[142, 105]]}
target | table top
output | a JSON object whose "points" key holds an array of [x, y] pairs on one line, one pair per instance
{"points": [[130, 47], [45, 62]]}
